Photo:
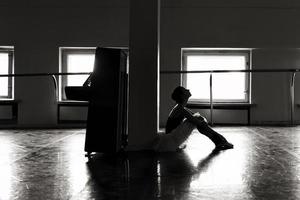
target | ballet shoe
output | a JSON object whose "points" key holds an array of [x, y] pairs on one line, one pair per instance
{"points": [[224, 146]]}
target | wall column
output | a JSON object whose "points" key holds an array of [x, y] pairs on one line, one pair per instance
{"points": [[143, 73]]}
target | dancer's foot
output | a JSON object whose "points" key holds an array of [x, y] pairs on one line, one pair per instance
{"points": [[224, 146]]}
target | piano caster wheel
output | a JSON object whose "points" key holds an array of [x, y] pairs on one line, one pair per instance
{"points": [[88, 155]]}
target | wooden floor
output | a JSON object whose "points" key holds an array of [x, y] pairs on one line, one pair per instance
{"points": [[50, 164]]}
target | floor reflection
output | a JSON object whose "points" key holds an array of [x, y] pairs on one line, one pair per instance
{"points": [[50, 164], [6, 169], [76, 167], [135, 175], [178, 174]]}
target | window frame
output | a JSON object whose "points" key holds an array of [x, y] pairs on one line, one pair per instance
{"points": [[10, 52], [64, 52], [195, 51]]}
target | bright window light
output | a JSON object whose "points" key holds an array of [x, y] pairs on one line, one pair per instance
{"points": [[226, 86], [4, 69], [79, 63], [75, 60]]}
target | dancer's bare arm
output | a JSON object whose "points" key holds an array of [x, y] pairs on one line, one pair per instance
{"points": [[194, 118]]}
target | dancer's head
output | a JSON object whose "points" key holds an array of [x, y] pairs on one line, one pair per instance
{"points": [[181, 95]]}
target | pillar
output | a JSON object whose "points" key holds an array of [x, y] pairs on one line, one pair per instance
{"points": [[143, 73]]}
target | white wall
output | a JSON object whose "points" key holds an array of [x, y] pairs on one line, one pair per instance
{"points": [[38, 28], [271, 27]]}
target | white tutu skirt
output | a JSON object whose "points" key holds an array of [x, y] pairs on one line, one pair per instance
{"points": [[171, 141]]}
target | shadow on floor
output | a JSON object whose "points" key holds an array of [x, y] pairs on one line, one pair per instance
{"points": [[143, 175]]}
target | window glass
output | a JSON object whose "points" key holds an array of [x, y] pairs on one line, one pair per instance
{"points": [[4, 69], [225, 86], [79, 63], [75, 60]]}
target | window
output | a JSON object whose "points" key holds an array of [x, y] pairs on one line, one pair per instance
{"points": [[75, 60], [226, 87], [6, 67]]}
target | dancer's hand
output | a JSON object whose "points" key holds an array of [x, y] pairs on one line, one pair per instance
{"points": [[196, 114], [199, 117]]}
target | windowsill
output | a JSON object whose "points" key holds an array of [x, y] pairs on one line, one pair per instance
{"points": [[8, 101], [73, 103], [229, 105]]}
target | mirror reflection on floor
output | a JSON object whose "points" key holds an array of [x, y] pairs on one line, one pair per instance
{"points": [[50, 164]]}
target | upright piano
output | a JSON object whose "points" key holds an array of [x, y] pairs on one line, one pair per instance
{"points": [[106, 90]]}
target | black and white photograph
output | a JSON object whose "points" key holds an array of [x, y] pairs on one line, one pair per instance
{"points": [[149, 100]]}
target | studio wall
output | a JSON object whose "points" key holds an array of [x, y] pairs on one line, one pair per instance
{"points": [[38, 28]]}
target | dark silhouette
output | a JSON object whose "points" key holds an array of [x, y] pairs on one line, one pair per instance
{"points": [[182, 122], [107, 111], [106, 89]]}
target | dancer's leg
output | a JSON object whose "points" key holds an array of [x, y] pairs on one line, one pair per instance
{"points": [[215, 137]]}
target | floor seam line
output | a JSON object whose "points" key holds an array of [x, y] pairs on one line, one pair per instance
{"points": [[265, 138], [40, 148]]}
